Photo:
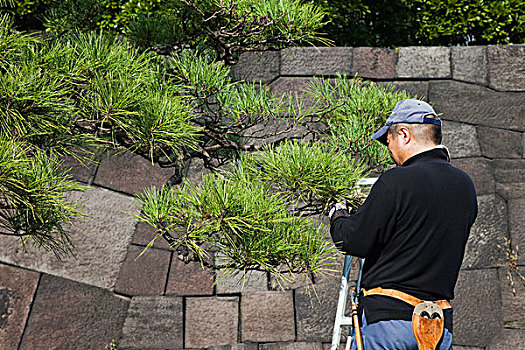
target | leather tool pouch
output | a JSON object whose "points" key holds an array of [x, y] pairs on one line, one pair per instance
{"points": [[427, 325]]}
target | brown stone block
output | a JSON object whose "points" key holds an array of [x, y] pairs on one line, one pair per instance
{"points": [[417, 89], [509, 175], [474, 104], [481, 172], [292, 346], [153, 323], [239, 346], [80, 172], [144, 234], [17, 288], [145, 275], [500, 143], [506, 65], [211, 321], [291, 85], [516, 212], [189, 279], [267, 317], [478, 315], [130, 173], [512, 297], [72, 315], [374, 63], [508, 339], [316, 61]]}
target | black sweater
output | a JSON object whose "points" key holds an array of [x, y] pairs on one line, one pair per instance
{"points": [[412, 230]]}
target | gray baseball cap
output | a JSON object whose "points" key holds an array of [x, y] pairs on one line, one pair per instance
{"points": [[411, 111]]}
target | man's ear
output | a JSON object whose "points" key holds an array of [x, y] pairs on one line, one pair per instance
{"points": [[405, 134]]}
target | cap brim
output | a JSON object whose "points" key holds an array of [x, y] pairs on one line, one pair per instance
{"points": [[381, 133]]}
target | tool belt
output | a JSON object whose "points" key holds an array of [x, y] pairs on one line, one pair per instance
{"points": [[427, 318]]}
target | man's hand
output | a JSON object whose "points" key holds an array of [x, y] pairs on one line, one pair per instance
{"points": [[339, 209]]}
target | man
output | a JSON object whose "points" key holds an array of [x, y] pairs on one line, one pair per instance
{"points": [[412, 229]]}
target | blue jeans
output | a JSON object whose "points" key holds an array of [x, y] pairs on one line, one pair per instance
{"points": [[394, 335]]}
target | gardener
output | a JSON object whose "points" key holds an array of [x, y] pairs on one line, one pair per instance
{"points": [[412, 230]]}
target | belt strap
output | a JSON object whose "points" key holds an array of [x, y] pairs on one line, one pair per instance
{"points": [[407, 298]]}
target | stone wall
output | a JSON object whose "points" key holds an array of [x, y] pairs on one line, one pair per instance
{"points": [[157, 302]]}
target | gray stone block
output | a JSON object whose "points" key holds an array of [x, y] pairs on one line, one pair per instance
{"points": [[130, 173], [509, 175], [290, 281], [239, 346], [512, 293], [374, 63], [145, 275], [423, 62], [315, 311], [267, 317], [80, 172], [153, 323], [500, 143], [417, 89], [481, 172], [211, 321], [189, 279], [17, 288], [516, 210], [474, 104], [250, 281], [506, 65], [488, 234], [292, 346], [72, 315], [478, 316], [461, 139], [508, 339], [316, 61], [257, 66], [101, 241], [469, 63]]}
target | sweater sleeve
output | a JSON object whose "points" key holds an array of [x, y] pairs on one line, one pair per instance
{"points": [[370, 226]]}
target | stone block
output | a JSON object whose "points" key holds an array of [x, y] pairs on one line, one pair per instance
{"points": [[290, 281], [130, 173], [417, 89], [516, 210], [145, 233], [374, 63], [500, 143], [487, 235], [145, 275], [506, 65], [153, 322], [80, 172], [478, 315], [467, 348], [72, 315], [293, 85], [250, 281], [315, 311], [239, 346], [481, 172], [189, 279], [474, 104], [423, 62], [291, 346], [17, 288], [309, 61], [512, 292], [196, 171], [267, 317], [469, 64], [508, 339], [328, 346], [101, 241], [509, 175], [461, 139], [211, 321], [257, 66]]}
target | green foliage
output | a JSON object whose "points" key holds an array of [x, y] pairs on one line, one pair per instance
{"points": [[475, 22]]}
